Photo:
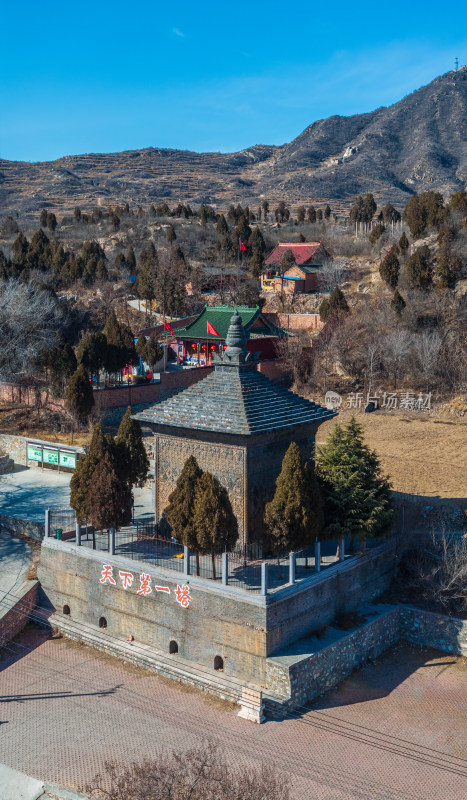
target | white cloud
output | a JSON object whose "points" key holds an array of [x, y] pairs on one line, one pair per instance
{"points": [[178, 32]]}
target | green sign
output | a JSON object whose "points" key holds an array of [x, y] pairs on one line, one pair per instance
{"points": [[34, 453], [50, 456], [68, 460]]}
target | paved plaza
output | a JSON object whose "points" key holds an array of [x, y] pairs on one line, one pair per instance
{"points": [[395, 730], [27, 492]]}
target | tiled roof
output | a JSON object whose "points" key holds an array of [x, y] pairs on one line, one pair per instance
{"points": [[219, 317], [242, 402], [157, 330], [302, 252]]}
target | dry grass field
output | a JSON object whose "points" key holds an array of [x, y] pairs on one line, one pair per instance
{"points": [[423, 454]]}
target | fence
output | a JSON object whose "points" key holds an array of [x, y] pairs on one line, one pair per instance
{"points": [[143, 542]]}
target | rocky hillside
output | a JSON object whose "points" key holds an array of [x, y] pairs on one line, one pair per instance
{"points": [[417, 144]]}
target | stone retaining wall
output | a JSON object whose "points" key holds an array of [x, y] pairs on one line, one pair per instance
{"points": [[23, 527], [429, 629], [15, 446], [13, 619]]}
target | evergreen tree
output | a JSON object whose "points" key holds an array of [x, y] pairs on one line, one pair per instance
{"points": [[389, 268], [288, 260], [109, 499], [221, 226], [357, 496], [418, 268], [458, 202], [294, 516], [131, 261], [398, 303], [82, 475], [179, 512], [92, 352], [51, 221], [215, 522], [357, 211], [335, 306], [369, 207], [376, 233], [301, 211], [311, 214], [265, 206], [141, 345], [403, 243], [153, 352], [134, 460], [43, 218], [79, 398], [390, 214], [448, 266], [319, 215], [120, 349], [171, 235], [77, 214], [327, 212]]}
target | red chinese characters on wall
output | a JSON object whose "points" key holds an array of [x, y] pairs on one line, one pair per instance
{"points": [[182, 593]]}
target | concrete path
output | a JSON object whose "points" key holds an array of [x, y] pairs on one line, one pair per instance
{"points": [[28, 491], [18, 786], [15, 555]]}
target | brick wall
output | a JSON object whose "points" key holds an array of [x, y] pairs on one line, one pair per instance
{"points": [[13, 619], [296, 322], [30, 396]]}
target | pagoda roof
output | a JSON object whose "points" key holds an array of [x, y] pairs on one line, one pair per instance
{"points": [[242, 402], [254, 322]]}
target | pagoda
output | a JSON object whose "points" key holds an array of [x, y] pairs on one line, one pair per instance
{"points": [[238, 425]]}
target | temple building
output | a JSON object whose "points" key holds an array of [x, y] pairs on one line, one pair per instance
{"points": [[200, 339], [302, 276], [238, 424]]}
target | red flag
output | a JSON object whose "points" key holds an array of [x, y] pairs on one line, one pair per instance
{"points": [[211, 329], [242, 247], [167, 327]]}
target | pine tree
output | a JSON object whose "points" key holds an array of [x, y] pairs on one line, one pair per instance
{"points": [[336, 306], [131, 261], [215, 522], [135, 460], [221, 226], [403, 243], [311, 214], [288, 260], [327, 212], [153, 352], [179, 512], [171, 235], [398, 303], [109, 499], [79, 398], [319, 215], [376, 233], [51, 221], [418, 268], [389, 268], [43, 218], [294, 516], [357, 496], [82, 475], [120, 348]]}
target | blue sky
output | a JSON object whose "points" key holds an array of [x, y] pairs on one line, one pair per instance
{"points": [[81, 77]]}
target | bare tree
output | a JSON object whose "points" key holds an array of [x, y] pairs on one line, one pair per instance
{"points": [[397, 345], [199, 774], [427, 348], [29, 318], [372, 359], [436, 571], [333, 274]]}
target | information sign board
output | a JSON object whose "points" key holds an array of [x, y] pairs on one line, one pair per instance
{"points": [[34, 453], [50, 456], [67, 459]]}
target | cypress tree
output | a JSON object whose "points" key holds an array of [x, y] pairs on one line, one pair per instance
{"points": [[403, 243], [109, 499], [171, 235], [327, 212], [335, 306], [294, 516], [82, 475], [389, 268], [215, 522], [398, 303], [179, 512], [376, 233], [311, 214], [357, 496], [301, 211], [79, 398], [134, 459], [418, 268]]}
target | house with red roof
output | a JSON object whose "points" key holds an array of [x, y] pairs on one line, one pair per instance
{"points": [[300, 277]]}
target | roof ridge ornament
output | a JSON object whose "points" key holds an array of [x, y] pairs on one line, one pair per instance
{"points": [[236, 339]]}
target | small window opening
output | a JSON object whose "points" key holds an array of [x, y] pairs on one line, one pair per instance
{"points": [[173, 647], [102, 622], [218, 663], [66, 610]]}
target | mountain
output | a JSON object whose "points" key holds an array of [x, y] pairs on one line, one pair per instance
{"points": [[417, 144]]}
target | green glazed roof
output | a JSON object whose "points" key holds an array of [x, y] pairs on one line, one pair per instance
{"points": [[220, 316]]}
